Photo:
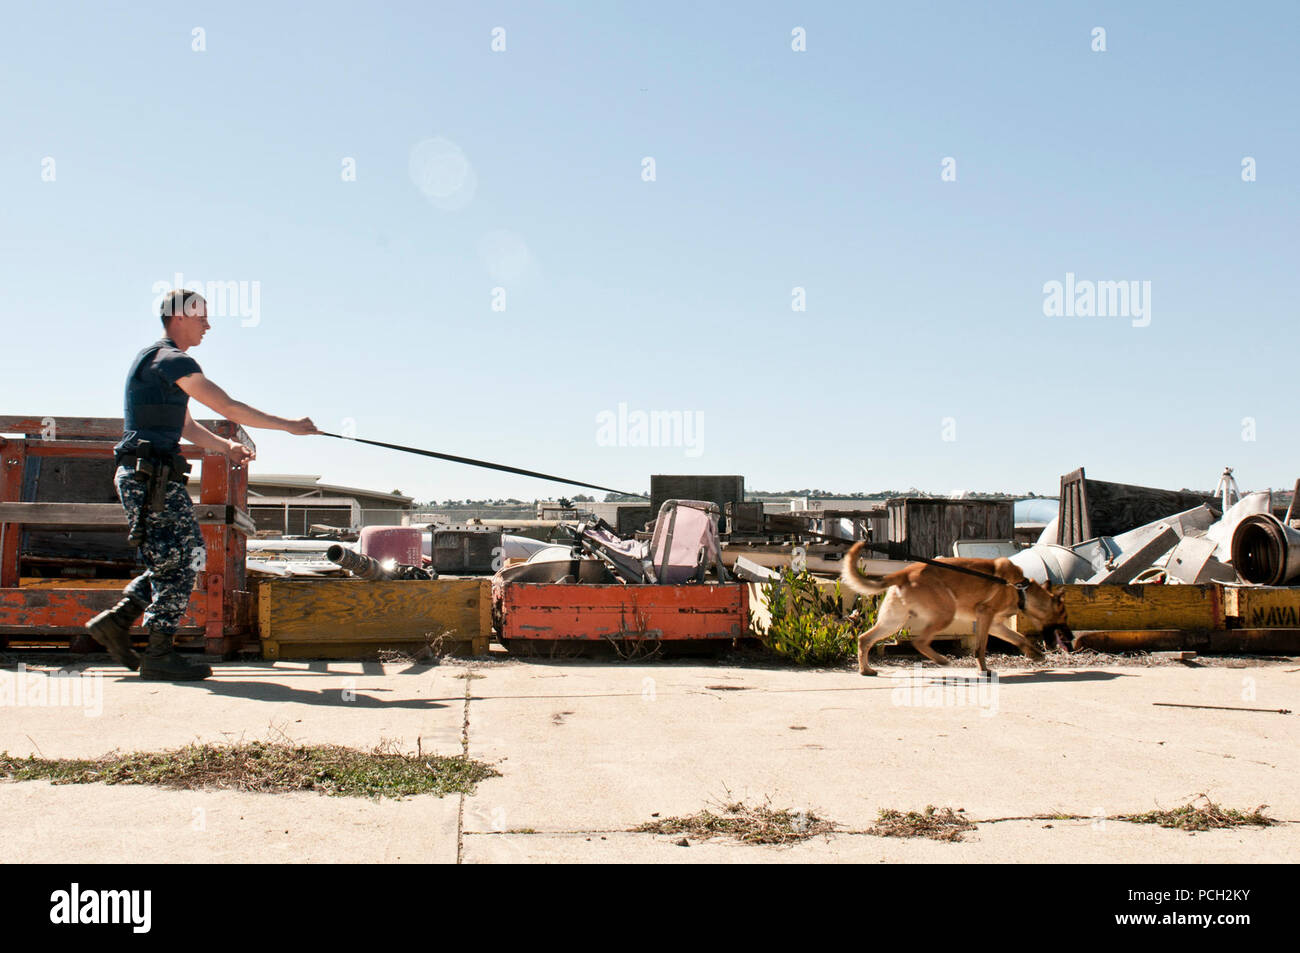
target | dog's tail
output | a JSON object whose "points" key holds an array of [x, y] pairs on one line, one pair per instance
{"points": [[855, 578]]}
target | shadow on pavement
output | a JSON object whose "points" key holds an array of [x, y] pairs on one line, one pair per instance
{"points": [[1028, 678], [277, 693]]}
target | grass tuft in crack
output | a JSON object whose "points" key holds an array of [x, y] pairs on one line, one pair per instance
{"points": [[265, 768], [945, 824], [748, 824]]}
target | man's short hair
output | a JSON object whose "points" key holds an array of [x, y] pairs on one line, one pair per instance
{"points": [[180, 301]]}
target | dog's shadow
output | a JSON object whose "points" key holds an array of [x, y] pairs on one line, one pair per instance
{"points": [[1023, 678]]}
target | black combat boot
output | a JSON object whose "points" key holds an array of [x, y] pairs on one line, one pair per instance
{"points": [[162, 663], [112, 629]]}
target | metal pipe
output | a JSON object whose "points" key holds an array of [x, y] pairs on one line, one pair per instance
{"points": [[357, 564], [1265, 551], [369, 568]]}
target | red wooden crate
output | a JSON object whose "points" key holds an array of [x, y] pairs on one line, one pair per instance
{"points": [[554, 611], [220, 606]]}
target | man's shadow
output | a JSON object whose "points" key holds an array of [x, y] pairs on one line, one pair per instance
{"points": [[336, 696]]}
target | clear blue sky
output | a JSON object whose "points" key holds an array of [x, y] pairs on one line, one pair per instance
{"points": [[775, 169]]}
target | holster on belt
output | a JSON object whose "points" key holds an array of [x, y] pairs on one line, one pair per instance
{"points": [[154, 470]]}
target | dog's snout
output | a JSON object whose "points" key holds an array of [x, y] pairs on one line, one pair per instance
{"points": [[1061, 633]]}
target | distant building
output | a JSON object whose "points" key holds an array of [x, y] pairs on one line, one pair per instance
{"points": [[291, 503]]}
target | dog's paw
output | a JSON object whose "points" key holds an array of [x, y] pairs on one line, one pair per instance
{"points": [[867, 671]]}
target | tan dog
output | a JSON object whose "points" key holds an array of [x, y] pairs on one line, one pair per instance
{"points": [[926, 598]]}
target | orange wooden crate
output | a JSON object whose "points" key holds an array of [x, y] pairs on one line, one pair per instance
{"points": [[555, 611], [48, 612]]}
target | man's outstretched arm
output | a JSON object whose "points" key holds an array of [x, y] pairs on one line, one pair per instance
{"points": [[210, 395], [201, 436]]}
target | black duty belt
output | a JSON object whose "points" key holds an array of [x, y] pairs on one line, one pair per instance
{"points": [[180, 467]]}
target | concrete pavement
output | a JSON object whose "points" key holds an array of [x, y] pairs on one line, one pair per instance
{"points": [[588, 750]]}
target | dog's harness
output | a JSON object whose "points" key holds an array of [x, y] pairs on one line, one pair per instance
{"points": [[1021, 587]]}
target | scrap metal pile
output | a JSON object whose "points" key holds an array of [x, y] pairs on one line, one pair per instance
{"points": [[1243, 540], [683, 547]]}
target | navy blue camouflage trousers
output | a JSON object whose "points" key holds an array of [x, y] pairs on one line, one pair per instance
{"points": [[172, 551]]}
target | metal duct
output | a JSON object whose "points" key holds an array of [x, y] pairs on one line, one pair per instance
{"points": [[1265, 551]]}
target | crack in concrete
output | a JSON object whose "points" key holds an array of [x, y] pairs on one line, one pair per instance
{"points": [[464, 750], [859, 832]]}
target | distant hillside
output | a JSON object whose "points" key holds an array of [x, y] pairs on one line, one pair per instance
{"points": [[879, 495]]}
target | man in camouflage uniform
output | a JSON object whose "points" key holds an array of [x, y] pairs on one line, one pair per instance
{"points": [[158, 387], [172, 548]]}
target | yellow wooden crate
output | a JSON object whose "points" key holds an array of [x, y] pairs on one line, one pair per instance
{"points": [[1139, 607], [347, 618], [1136, 607], [1262, 607]]}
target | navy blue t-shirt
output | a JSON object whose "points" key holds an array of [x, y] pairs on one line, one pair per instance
{"points": [[154, 405]]}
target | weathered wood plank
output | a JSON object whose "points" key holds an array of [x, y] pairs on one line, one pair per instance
{"points": [[95, 428], [320, 611], [273, 650], [36, 425], [110, 515], [41, 582]]}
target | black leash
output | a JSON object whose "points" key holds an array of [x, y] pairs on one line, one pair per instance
{"points": [[592, 486], [479, 463]]}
